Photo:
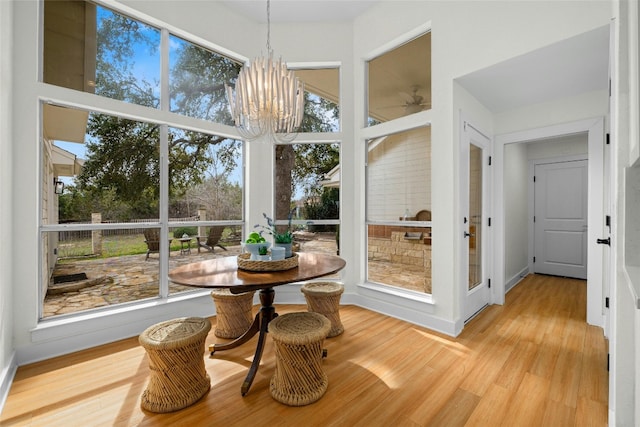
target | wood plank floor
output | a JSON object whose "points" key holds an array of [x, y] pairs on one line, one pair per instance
{"points": [[532, 362]]}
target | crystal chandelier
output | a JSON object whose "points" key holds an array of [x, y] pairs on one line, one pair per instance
{"points": [[268, 99]]}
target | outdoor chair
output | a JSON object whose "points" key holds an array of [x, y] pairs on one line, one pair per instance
{"points": [[213, 238], [152, 239]]}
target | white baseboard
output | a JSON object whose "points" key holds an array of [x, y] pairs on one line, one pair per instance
{"points": [[6, 379], [516, 279]]}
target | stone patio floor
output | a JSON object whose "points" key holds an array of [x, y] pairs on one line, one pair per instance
{"points": [[131, 278]]}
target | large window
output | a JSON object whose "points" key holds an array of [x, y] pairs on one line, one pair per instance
{"points": [[307, 175], [308, 193], [126, 199], [398, 167]]}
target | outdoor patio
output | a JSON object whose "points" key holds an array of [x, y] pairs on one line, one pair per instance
{"points": [[131, 278]]}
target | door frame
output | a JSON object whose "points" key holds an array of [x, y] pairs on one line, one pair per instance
{"points": [[531, 198], [594, 128]]}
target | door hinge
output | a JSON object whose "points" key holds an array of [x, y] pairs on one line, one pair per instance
{"points": [[607, 222], [534, 178], [608, 139], [489, 160], [534, 259], [606, 302], [534, 218], [606, 241], [489, 222], [489, 283], [608, 356]]}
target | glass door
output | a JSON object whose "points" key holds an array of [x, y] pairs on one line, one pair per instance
{"points": [[474, 161]]}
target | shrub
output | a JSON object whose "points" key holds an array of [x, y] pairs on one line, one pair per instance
{"points": [[179, 231]]}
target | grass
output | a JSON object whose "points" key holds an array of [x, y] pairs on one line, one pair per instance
{"points": [[112, 246]]}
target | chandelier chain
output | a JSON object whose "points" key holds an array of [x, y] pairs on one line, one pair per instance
{"points": [[268, 26]]}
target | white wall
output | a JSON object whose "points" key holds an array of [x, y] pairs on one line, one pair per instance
{"points": [[624, 388], [6, 218], [516, 198]]}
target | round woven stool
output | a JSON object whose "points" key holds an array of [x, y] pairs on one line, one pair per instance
{"points": [[175, 349], [233, 312], [324, 298], [298, 378]]}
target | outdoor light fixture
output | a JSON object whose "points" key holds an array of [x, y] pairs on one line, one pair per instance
{"points": [[58, 186], [268, 99]]}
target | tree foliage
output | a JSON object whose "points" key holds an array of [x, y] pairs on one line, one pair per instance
{"points": [[121, 174]]}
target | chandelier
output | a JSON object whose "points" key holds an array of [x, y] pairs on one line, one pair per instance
{"points": [[268, 99]]}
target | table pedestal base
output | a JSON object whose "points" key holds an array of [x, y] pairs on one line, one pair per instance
{"points": [[259, 326]]}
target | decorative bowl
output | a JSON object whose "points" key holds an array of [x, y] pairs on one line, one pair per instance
{"points": [[254, 248]]}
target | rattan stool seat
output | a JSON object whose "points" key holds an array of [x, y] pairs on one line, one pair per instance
{"points": [[175, 349], [298, 378], [324, 298], [233, 312]]}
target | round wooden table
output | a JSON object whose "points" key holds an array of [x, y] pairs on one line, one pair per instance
{"points": [[224, 273]]}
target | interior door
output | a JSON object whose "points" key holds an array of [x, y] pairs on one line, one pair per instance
{"points": [[474, 204], [560, 219]]}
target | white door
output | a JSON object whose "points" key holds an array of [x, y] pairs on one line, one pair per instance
{"points": [[560, 219], [474, 206]]}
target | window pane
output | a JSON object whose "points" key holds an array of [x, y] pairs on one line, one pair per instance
{"points": [[93, 49], [399, 175], [308, 188], [400, 81], [89, 269], [206, 175], [307, 181], [193, 243], [197, 80], [400, 256], [109, 167], [322, 99], [399, 190]]}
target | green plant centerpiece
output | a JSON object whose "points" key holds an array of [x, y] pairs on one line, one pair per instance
{"points": [[281, 237], [255, 245]]}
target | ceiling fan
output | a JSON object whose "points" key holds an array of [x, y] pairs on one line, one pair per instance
{"points": [[413, 102]]}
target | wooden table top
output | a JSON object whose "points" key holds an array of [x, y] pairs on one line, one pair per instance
{"points": [[224, 273]]}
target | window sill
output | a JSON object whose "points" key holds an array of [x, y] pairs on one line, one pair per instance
{"points": [[114, 317], [399, 292]]}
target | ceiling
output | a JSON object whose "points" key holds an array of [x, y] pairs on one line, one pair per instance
{"points": [[568, 68], [300, 10]]}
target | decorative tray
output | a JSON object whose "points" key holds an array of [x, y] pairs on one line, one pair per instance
{"points": [[244, 263]]}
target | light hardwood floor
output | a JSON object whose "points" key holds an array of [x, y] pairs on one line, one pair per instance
{"points": [[532, 362]]}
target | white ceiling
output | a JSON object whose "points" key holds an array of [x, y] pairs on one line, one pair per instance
{"points": [[568, 68], [300, 10]]}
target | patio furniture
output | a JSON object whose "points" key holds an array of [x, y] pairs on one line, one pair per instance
{"points": [[233, 312], [324, 298], [177, 375], [152, 239], [213, 238], [298, 378]]}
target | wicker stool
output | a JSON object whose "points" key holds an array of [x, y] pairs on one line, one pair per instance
{"points": [[175, 349], [233, 312], [324, 298], [299, 379]]}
